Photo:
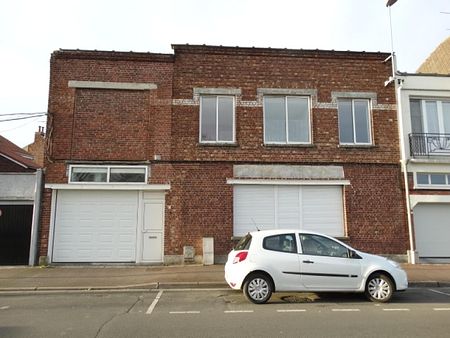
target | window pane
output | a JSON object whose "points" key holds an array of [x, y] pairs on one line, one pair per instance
{"points": [[225, 119], [362, 130], [127, 175], [283, 243], [345, 121], [437, 179], [446, 116], [274, 119], [89, 174], [298, 119], [416, 116], [208, 118], [432, 117], [422, 179]]}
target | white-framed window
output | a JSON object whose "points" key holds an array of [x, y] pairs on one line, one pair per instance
{"points": [[432, 180], [287, 120], [354, 121], [107, 174], [217, 119], [430, 116]]}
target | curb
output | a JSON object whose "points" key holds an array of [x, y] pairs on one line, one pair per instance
{"points": [[429, 284], [128, 288]]}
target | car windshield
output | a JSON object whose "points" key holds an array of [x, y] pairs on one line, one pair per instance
{"points": [[244, 243]]}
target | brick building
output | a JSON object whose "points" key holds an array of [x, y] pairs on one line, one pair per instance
{"points": [[149, 154]]}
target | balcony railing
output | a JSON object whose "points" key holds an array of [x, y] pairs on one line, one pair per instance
{"points": [[429, 144]]}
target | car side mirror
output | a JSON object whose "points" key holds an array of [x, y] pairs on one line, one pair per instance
{"points": [[352, 254]]}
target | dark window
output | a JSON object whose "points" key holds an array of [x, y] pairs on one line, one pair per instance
{"points": [[283, 243], [244, 243], [322, 246]]}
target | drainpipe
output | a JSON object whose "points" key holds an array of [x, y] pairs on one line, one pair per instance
{"points": [[404, 167], [36, 221]]}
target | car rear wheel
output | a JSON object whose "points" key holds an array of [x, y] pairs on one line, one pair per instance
{"points": [[258, 288], [379, 288]]}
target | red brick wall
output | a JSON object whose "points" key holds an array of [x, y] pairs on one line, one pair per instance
{"points": [[252, 69], [375, 208]]}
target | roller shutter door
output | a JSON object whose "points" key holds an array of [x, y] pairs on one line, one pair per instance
{"points": [[316, 208], [432, 231], [95, 226]]}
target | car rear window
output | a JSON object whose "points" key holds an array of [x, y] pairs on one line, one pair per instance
{"points": [[244, 243]]}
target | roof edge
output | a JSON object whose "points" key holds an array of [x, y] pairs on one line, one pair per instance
{"points": [[214, 49], [111, 55]]}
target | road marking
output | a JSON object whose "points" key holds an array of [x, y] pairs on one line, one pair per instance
{"points": [[183, 312], [238, 311], [441, 309], [345, 310], [294, 310], [395, 309], [4, 307], [440, 292], [153, 304]]}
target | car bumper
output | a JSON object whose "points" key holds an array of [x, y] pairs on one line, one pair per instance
{"points": [[401, 279], [235, 274]]}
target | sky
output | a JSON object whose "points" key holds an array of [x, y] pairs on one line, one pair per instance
{"points": [[30, 30]]}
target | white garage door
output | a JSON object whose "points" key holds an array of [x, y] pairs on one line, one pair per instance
{"points": [[317, 208], [95, 226], [432, 231]]}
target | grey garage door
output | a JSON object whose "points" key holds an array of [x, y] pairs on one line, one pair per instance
{"points": [[432, 231]]}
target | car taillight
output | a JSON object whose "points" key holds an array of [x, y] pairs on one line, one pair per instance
{"points": [[240, 257]]}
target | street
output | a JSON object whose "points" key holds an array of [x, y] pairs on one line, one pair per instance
{"points": [[418, 312]]}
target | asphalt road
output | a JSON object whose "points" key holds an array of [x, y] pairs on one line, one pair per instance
{"points": [[420, 312]]}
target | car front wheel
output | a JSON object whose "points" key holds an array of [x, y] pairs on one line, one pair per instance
{"points": [[379, 288], [258, 288]]}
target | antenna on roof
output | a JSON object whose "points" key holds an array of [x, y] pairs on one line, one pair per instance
{"points": [[254, 223]]}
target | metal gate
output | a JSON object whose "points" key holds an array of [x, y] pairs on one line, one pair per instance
{"points": [[15, 234]]}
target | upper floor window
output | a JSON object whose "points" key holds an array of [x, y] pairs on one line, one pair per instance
{"points": [[430, 116], [354, 122], [217, 119], [287, 120], [108, 174]]}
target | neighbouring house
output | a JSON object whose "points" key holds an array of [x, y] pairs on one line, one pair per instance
{"points": [[20, 192], [425, 138], [439, 60], [37, 147], [167, 158]]}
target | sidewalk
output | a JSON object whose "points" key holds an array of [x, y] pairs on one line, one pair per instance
{"points": [[159, 277]]}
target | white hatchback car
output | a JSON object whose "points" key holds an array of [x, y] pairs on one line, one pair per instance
{"points": [[290, 260]]}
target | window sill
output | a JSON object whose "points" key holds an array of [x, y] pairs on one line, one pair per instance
{"points": [[352, 146], [218, 144], [288, 145]]}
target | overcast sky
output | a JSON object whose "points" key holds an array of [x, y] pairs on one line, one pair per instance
{"points": [[31, 29]]}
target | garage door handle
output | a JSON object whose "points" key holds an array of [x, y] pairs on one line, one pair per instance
{"points": [[152, 237], [308, 262]]}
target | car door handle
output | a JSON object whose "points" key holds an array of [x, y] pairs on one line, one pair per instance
{"points": [[152, 237], [308, 262]]}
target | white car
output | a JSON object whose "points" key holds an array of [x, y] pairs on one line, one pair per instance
{"points": [[290, 260]]}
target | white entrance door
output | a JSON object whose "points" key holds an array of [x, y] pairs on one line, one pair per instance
{"points": [[153, 229]]}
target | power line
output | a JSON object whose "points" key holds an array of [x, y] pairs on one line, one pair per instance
{"points": [[22, 118], [18, 114]]}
